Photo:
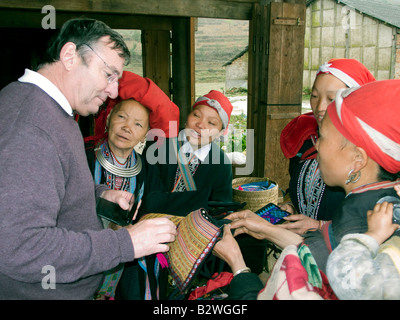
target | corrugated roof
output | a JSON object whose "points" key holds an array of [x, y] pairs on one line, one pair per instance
{"points": [[387, 11]]}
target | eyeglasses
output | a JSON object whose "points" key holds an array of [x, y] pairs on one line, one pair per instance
{"points": [[111, 78]]}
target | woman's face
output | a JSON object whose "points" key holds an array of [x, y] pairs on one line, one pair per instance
{"points": [[128, 126], [323, 93], [203, 125], [335, 154]]}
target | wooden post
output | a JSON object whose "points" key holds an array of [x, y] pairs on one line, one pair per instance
{"points": [[275, 82], [183, 66], [156, 57]]}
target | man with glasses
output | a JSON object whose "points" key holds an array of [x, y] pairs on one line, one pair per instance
{"points": [[52, 245]]}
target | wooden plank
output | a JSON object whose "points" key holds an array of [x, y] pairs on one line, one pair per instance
{"points": [[182, 8], [156, 57], [286, 47]]}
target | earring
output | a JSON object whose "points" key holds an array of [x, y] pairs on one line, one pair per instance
{"points": [[353, 177]]}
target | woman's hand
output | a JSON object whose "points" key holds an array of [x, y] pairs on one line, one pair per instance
{"points": [[228, 250], [380, 225], [248, 222], [288, 208], [300, 224], [125, 199], [397, 188]]}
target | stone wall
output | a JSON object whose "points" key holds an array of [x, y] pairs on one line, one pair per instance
{"points": [[337, 31]]}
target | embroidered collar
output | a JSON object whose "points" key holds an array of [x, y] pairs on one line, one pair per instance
{"points": [[374, 186]]}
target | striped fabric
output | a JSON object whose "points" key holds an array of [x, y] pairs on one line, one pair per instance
{"points": [[196, 237], [194, 242]]}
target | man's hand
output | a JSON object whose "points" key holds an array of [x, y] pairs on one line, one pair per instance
{"points": [[152, 236]]}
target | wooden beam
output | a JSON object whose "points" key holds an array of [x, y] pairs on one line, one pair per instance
{"points": [[223, 9], [12, 18]]}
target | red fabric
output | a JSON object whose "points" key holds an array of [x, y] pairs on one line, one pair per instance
{"points": [[301, 128], [353, 69], [296, 275], [220, 280], [221, 98], [378, 105], [296, 132], [145, 91], [289, 280]]}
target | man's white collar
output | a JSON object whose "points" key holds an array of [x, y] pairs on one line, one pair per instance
{"points": [[47, 86]]}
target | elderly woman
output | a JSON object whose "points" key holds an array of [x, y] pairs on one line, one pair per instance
{"points": [[307, 193], [141, 105], [358, 150]]}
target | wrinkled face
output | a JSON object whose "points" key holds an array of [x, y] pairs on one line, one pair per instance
{"points": [[203, 125], [92, 77], [335, 154], [128, 125], [323, 93]]}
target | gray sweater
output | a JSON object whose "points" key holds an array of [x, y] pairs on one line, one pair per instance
{"points": [[52, 245]]}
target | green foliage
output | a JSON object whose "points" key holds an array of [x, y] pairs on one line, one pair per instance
{"points": [[236, 138]]}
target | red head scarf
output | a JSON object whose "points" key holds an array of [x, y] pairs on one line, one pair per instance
{"points": [[368, 117], [146, 92], [350, 71], [218, 101]]}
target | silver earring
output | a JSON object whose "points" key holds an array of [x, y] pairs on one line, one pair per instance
{"points": [[353, 177]]}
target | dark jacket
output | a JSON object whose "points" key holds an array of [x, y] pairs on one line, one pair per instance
{"points": [[213, 180]]}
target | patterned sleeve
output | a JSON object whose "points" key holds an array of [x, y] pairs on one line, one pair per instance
{"points": [[359, 269]]}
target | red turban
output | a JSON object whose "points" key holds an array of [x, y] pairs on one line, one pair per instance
{"points": [[368, 117], [218, 101], [146, 92], [350, 71]]}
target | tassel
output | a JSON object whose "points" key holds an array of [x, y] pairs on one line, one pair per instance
{"points": [[162, 260]]}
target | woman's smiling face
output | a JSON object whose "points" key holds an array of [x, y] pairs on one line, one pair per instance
{"points": [[203, 125]]}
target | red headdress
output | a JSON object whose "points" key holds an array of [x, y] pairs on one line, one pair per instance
{"points": [[162, 109], [218, 101], [369, 118], [352, 73]]}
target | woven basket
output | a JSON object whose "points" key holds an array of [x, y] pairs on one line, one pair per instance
{"points": [[254, 199]]}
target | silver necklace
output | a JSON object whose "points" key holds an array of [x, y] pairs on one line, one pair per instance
{"points": [[120, 172]]}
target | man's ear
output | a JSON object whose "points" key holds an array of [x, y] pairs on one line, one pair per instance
{"points": [[360, 158], [68, 55]]}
